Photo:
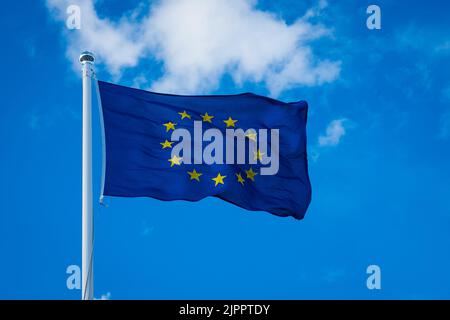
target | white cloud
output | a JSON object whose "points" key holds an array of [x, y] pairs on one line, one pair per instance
{"points": [[117, 45], [198, 42], [334, 132]]}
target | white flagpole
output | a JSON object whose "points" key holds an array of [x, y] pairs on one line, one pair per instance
{"points": [[87, 276]]}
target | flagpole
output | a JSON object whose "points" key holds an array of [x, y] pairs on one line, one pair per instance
{"points": [[87, 276]]}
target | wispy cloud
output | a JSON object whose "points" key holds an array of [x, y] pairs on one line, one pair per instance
{"points": [[443, 47], [36, 120], [106, 296], [332, 275], [146, 229], [444, 125], [333, 134], [426, 41], [30, 47], [40, 119], [198, 42], [444, 131]]}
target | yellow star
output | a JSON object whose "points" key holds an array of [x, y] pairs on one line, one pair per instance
{"points": [[251, 135], [239, 178], [258, 155], [184, 114], [194, 175], [250, 174], [230, 122], [166, 144], [219, 179], [206, 117], [169, 126], [175, 161]]}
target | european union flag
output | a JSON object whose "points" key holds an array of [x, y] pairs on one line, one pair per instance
{"points": [[246, 149]]}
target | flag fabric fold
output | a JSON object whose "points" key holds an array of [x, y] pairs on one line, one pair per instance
{"points": [[175, 147]]}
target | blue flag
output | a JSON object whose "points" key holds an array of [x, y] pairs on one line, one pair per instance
{"points": [[246, 149]]}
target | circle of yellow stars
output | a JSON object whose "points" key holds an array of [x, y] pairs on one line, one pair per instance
{"points": [[219, 179]]}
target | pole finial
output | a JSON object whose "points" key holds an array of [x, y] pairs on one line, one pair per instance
{"points": [[87, 57]]}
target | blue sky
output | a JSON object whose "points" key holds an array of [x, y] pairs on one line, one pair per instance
{"points": [[379, 149]]}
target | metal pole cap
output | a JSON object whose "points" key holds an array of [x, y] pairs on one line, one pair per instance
{"points": [[87, 57]]}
